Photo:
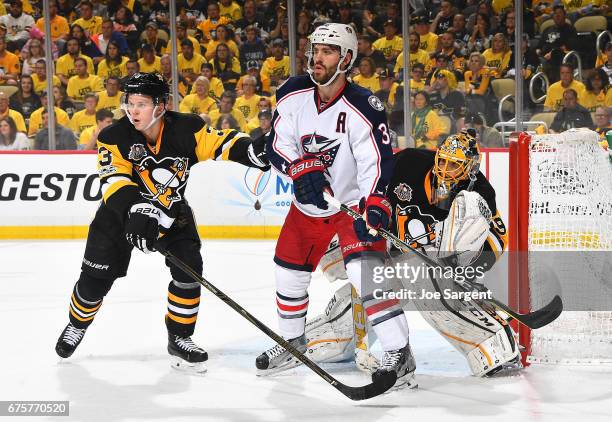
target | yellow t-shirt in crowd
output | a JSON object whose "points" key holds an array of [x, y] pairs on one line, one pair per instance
{"points": [[36, 120], [497, 62], [9, 63], [429, 132], [275, 68], [17, 118], [236, 114], [196, 46], [421, 56], [216, 88], [389, 47], [117, 70], [109, 103], [265, 84], [554, 95], [232, 12], [86, 135], [429, 42], [65, 65], [253, 124], [193, 104], [211, 47], [372, 83], [575, 5], [208, 25], [591, 101], [502, 6], [93, 25], [77, 87], [59, 26], [248, 107], [416, 86], [40, 86], [194, 65], [81, 121], [153, 67]]}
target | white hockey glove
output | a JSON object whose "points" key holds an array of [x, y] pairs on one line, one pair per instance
{"points": [[465, 230]]}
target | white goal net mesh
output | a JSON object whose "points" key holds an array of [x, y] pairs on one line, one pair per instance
{"points": [[570, 230]]}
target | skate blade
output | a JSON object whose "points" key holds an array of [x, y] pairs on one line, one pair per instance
{"points": [[190, 368], [408, 381], [274, 371]]}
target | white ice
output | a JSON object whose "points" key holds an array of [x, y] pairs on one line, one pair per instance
{"points": [[121, 370]]}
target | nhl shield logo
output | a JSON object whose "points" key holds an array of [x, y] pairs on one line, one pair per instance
{"points": [[403, 192], [137, 152]]}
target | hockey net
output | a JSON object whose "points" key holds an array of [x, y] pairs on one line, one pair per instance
{"points": [[561, 228]]}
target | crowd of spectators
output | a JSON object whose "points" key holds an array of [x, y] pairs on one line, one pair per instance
{"points": [[233, 54]]}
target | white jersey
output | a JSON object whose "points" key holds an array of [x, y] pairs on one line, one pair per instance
{"points": [[18, 27], [349, 134]]}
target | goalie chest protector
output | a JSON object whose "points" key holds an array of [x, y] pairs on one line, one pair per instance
{"points": [[410, 189]]}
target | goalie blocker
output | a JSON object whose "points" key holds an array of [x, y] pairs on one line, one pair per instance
{"points": [[443, 204]]}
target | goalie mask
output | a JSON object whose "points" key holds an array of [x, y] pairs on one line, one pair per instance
{"points": [[336, 34], [151, 85], [457, 160]]}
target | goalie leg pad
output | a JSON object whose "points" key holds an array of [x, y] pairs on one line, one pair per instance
{"points": [[332, 262]]}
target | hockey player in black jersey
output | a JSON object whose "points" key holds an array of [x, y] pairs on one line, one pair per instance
{"points": [[144, 160]]}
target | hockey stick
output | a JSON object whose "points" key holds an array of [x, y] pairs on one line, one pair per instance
{"points": [[354, 393], [533, 320]]}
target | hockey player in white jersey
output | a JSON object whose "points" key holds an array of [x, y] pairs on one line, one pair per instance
{"points": [[330, 134]]}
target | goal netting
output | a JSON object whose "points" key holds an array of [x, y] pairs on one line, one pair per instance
{"points": [[568, 235]]}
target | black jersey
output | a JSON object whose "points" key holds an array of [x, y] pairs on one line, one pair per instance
{"points": [[414, 216], [130, 170]]}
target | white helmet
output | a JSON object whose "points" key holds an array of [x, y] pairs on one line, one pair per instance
{"points": [[337, 34]]}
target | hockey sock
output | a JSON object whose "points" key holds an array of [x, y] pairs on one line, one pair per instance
{"points": [[82, 310], [291, 301], [183, 307]]}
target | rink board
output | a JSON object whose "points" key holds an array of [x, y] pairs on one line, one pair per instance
{"points": [[54, 195]]}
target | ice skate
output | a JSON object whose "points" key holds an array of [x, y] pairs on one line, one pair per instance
{"points": [[278, 359], [401, 362], [69, 340], [186, 355]]}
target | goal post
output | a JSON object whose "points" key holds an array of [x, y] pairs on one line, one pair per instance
{"points": [[560, 242]]}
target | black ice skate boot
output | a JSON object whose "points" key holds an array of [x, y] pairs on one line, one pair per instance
{"points": [[69, 340], [401, 362], [277, 358], [186, 355]]}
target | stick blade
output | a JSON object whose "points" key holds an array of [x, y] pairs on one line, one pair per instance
{"points": [[545, 315], [382, 384]]}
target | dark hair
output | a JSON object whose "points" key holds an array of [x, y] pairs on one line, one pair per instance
{"points": [[116, 60], [229, 94], [571, 91], [87, 3], [589, 85], [90, 95], [20, 92], [557, 7], [207, 66], [80, 59], [129, 16], [568, 65], [103, 113], [186, 42], [114, 77], [12, 125], [418, 66], [232, 122], [484, 17], [424, 94]]}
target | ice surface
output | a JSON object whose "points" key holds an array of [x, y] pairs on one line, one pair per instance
{"points": [[121, 370]]}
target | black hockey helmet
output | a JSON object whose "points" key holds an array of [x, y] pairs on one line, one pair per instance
{"points": [[150, 84]]}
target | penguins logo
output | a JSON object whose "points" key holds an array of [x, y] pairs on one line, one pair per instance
{"points": [[415, 227], [163, 179], [325, 149]]}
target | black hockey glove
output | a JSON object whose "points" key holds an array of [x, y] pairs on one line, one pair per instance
{"points": [[309, 181], [377, 211], [142, 226], [257, 153]]}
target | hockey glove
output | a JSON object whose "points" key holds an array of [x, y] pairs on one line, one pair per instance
{"points": [[309, 181], [142, 226], [257, 153], [377, 212]]}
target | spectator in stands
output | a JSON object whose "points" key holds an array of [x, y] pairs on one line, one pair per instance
{"points": [[507, 29], [225, 66], [529, 60], [416, 56], [367, 78], [439, 61], [209, 25], [604, 61], [149, 62], [113, 64], [444, 19], [107, 35], [85, 118], [230, 9], [182, 34], [216, 86], [374, 26], [426, 125], [477, 86], [579, 9], [110, 97], [152, 39], [487, 137], [279, 17], [66, 9], [345, 16], [37, 121], [462, 35], [252, 48], [89, 136], [597, 92], [417, 79], [88, 48], [276, 67], [166, 71], [265, 124], [554, 94], [555, 41], [226, 106], [132, 67], [444, 96], [227, 121], [247, 102], [82, 82], [388, 89], [446, 46], [64, 138], [62, 102], [497, 58], [222, 36], [481, 34], [429, 40], [252, 17], [39, 77], [483, 8], [364, 49], [18, 25], [264, 104], [34, 53], [603, 121], [13, 114], [59, 26], [10, 138], [198, 101], [89, 22], [25, 100], [10, 68], [65, 67], [160, 14], [191, 12], [189, 62], [390, 44], [572, 115], [125, 24]]}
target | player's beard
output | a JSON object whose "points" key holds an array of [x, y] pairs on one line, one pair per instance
{"points": [[325, 78]]}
